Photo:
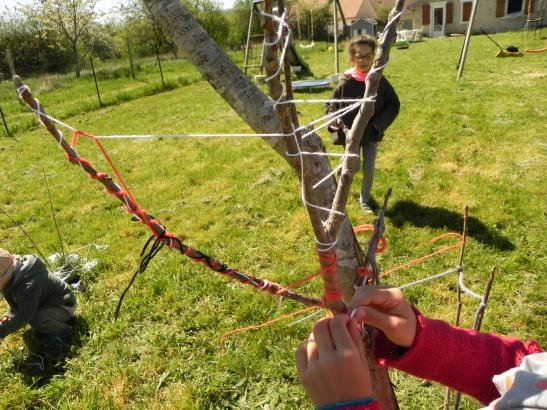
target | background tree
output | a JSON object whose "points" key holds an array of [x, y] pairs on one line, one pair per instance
{"points": [[302, 15], [238, 20], [72, 19], [141, 26], [383, 14], [212, 18], [34, 48]]}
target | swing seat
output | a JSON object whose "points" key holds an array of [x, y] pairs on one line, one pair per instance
{"points": [[310, 84], [307, 45]]}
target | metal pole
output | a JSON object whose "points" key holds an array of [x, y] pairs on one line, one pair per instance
{"points": [[336, 62], [96, 83], [128, 43], [159, 65], [467, 39], [248, 44], [5, 123]]}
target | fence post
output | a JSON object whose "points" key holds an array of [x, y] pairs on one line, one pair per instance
{"points": [[159, 64], [9, 58], [5, 123], [128, 43], [96, 83]]}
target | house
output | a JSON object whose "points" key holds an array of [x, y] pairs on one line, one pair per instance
{"points": [[354, 10], [361, 26], [442, 18]]}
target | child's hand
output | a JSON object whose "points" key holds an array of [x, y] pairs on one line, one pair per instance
{"points": [[387, 309], [332, 364]]}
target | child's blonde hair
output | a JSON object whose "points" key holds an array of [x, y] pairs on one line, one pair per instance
{"points": [[363, 40]]}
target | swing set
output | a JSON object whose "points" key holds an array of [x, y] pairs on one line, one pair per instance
{"points": [[312, 41]]}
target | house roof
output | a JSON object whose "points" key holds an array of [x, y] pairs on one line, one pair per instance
{"points": [[353, 9], [363, 19], [350, 8]]}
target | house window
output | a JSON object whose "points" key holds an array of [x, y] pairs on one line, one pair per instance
{"points": [[514, 6], [466, 11]]}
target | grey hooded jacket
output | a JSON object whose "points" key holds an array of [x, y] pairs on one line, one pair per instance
{"points": [[32, 288]]}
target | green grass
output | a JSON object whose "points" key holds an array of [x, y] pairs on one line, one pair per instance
{"points": [[479, 142], [68, 96]]}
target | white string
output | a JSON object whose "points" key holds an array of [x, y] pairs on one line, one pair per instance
{"points": [[150, 136], [325, 101], [282, 24], [39, 112], [302, 190], [429, 279], [465, 289], [321, 154], [325, 247], [326, 177], [304, 319], [461, 284], [330, 117]]}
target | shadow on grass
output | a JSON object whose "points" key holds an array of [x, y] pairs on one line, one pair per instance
{"points": [[403, 212], [39, 363]]}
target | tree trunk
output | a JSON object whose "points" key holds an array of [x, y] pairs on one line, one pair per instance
{"points": [[260, 113], [257, 110]]}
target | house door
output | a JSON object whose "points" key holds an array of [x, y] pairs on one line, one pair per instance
{"points": [[438, 15]]}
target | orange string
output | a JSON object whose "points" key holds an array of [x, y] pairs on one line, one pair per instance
{"points": [[298, 283], [382, 242], [269, 322], [138, 211], [331, 287], [437, 252]]}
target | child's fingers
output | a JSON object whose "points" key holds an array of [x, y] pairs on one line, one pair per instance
{"points": [[375, 318], [339, 332], [301, 357], [323, 337], [355, 332], [381, 297]]}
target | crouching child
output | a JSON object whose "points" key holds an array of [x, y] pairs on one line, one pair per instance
{"points": [[35, 297]]}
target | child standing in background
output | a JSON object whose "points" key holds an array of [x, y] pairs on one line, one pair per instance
{"points": [[361, 51]]}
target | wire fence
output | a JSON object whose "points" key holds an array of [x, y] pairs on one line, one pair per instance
{"points": [[101, 83]]}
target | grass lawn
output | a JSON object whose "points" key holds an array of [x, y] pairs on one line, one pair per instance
{"points": [[480, 142]]}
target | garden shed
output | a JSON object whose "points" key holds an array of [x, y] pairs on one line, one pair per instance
{"points": [[362, 26]]}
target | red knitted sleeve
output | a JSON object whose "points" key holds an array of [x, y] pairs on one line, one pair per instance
{"points": [[463, 359]]}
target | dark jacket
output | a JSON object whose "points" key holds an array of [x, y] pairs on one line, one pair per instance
{"points": [[32, 288], [386, 108]]}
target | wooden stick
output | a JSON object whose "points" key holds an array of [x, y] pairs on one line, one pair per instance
{"points": [[383, 390], [157, 229], [480, 312], [467, 39], [446, 403], [9, 58], [478, 319], [351, 162], [5, 123]]}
